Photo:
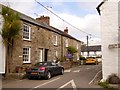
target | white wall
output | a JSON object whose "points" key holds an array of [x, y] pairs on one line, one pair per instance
{"points": [[119, 38], [98, 53], [2, 48], [109, 31]]}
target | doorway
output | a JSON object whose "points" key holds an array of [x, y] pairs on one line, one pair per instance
{"points": [[46, 54], [40, 55]]}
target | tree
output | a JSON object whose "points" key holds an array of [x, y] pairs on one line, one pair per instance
{"points": [[10, 32], [71, 51], [82, 58]]}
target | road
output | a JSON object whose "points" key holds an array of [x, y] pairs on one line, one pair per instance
{"points": [[74, 78]]}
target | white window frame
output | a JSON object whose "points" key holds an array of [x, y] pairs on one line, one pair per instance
{"points": [[29, 29], [55, 38], [78, 56], [56, 53], [66, 43], [77, 46], [40, 55], [28, 54]]}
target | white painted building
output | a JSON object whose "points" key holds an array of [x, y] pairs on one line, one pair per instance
{"points": [[2, 48], [109, 11]]}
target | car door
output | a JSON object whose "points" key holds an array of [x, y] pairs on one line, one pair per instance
{"points": [[55, 67]]}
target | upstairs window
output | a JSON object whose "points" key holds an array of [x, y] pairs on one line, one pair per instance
{"points": [[77, 46], [26, 55], [26, 32], [55, 39], [66, 43]]}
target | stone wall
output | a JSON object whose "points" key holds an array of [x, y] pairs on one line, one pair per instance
{"points": [[40, 38]]}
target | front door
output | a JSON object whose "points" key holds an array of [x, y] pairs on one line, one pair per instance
{"points": [[40, 55], [46, 54]]}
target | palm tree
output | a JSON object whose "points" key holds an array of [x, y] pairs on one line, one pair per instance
{"points": [[10, 32]]}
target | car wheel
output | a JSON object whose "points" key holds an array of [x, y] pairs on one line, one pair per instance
{"points": [[29, 78], [62, 71], [96, 63], [48, 75]]}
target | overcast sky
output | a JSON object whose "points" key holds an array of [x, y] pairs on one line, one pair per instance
{"points": [[80, 13]]}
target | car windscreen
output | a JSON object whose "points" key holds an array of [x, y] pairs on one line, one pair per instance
{"points": [[41, 64], [90, 58]]}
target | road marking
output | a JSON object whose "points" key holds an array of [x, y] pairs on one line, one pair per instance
{"points": [[94, 77], [67, 70], [87, 68], [19, 81], [72, 82], [45, 83], [76, 71]]}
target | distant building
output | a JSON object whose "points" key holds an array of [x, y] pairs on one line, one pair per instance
{"points": [[91, 50], [109, 11]]}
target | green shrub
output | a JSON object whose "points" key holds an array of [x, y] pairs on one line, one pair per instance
{"points": [[82, 58], [113, 79]]}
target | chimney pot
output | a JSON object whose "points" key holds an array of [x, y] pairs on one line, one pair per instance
{"points": [[66, 30], [44, 19]]}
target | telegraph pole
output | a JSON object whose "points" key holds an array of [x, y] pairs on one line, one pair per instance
{"points": [[87, 47], [87, 44]]}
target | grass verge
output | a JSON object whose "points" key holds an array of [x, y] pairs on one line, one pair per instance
{"points": [[107, 86]]}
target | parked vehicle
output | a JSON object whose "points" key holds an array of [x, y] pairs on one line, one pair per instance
{"points": [[44, 69], [91, 60]]}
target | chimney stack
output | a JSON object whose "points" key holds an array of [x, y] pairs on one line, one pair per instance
{"points": [[66, 30], [44, 19]]}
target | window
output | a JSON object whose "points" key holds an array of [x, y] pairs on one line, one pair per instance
{"points": [[56, 53], [78, 56], [26, 55], [66, 43], [77, 46], [55, 40], [53, 64], [26, 32]]}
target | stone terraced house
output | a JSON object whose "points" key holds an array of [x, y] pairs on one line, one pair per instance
{"points": [[41, 42]]}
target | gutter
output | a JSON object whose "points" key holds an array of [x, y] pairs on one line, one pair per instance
{"points": [[98, 7]]}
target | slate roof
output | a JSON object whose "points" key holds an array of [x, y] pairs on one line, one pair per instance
{"points": [[43, 25], [91, 48], [64, 34], [33, 21]]}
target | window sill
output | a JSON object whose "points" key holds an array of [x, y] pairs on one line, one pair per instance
{"points": [[27, 40], [26, 62], [55, 45]]}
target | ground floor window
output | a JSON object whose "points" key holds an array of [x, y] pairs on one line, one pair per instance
{"points": [[26, 55]]}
